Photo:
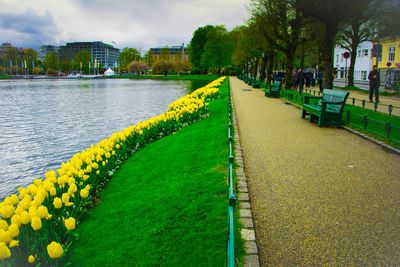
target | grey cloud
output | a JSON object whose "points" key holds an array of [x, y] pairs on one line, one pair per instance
{"points": [[133, 23], [27, 27]]}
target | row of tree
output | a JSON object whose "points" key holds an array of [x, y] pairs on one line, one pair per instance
{"points": [[130, 61], [282, 31]]}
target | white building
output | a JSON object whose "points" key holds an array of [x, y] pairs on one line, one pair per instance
{"points": [[363, 62]]}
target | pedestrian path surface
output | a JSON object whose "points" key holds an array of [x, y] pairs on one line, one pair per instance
{"points": [[319, 196]]}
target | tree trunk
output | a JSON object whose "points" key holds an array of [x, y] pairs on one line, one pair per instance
{"points": [[288, 69], [353, 55], [354, 44], [263, 66], [327, 54], [255, 68], [270, 66]]}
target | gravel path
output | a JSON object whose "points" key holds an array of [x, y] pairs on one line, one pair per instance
{"points": [[320, 196]]}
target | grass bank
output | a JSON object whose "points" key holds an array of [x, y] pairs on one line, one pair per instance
{"points": [[168, 77], [167, 204]]}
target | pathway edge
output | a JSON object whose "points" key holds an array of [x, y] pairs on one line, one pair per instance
{"points": [[251, 257]]}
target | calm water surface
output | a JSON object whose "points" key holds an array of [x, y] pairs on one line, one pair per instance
{"points": [[45, 122]]}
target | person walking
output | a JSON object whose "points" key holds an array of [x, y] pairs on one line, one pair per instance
{"points": [[374, 83], [320, 77]]}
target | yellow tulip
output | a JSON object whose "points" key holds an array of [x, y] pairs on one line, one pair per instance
{"points": [[13, 199], [33, 211], [7, 211], [57, 203], [43, 212], [4, 251], [16, 219], [4, 225], [70, 223], [31, 259], [65, 198], [72, 189], [22, 192], [36, 223], [32, 189], [25, 217], [13, 230], [71, 181], [55, 250], [5, 236], [84, 193], [14, 243], [53, 191]]}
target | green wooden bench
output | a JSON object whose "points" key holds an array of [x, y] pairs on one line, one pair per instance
{"points": [[328, 109], [273, 89]]}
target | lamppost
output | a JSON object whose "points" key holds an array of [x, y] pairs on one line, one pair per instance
{"points": [[346, 55], [303, 38], [388, 76]]}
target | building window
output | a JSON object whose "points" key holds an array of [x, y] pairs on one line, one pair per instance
{"points": [[391, 53], [364, 75], [365, 52], [358, 53], [337, 58]]}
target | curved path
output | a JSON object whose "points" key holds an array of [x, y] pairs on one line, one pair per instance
{"points": [[319, 196]]}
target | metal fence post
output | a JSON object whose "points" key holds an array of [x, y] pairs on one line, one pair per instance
{"points": [[365, 122], [388, 128]]}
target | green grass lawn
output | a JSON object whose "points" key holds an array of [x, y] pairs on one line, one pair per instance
{"points": [[167, 205]]}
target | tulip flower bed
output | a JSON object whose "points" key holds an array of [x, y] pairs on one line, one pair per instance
{"points": [[37, 225]]}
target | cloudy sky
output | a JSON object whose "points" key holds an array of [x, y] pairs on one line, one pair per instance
{"points": [[134, 23]]}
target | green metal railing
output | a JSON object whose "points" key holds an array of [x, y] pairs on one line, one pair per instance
{"points": [[231, 194], [362, 103], [380, 128]]}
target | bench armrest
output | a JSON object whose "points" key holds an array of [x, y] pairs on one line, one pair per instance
{"points": [[308, 97]]}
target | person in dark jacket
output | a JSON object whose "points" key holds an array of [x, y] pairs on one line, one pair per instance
{"points": [[320, 77], [374, 83]]}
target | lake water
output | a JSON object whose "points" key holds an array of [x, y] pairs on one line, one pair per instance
{"points": [[45, 122]]}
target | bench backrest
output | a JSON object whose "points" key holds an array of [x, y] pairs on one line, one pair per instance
{"points": [[330, 95], [275, 86]]}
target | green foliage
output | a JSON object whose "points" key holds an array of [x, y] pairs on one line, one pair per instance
{"points": [[163, 67], [217, 50], [51, 61], [209, 77], [128, 55], [197, 45], [51, 72], [82, 60]]}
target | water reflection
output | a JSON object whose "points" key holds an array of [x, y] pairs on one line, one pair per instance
{"points": [[44, 122]]}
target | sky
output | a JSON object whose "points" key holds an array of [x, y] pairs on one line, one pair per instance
{"points": [[128, 23]]}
